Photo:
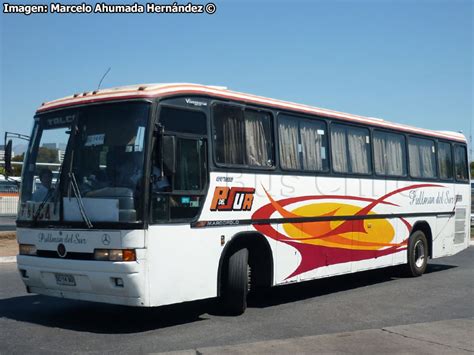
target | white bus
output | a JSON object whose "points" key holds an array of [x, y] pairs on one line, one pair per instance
{"points": [[176, 192]]}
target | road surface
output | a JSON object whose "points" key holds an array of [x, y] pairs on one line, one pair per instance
{"points": [[368, 300]]}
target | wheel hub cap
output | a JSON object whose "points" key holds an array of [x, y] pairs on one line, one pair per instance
{"points": [[419, 254]]}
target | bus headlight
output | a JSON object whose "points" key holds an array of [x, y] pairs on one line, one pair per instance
{"points": [[115, 255], [27, 249]]}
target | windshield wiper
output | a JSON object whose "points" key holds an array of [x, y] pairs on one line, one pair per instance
{"points": [[49, 194], [80, 204], [71, 179]]}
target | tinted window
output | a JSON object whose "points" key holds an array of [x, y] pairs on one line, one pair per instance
{"points": [[288, 133], [303, 144], [389, 154], [229, 136], [242, 137], [350, 149], [445, 161], [179, 194], [185, 121], [258, 138], [103, 148], [422, 157], [460, 163], [190, 166]]}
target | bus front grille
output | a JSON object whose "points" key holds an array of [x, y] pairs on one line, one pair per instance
{"points": [[71, 255]]}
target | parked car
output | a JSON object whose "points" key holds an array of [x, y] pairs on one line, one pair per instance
{"points": [[9, 187]]}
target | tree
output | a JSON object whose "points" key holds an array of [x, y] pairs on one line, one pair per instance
{"points": [[46, 155], [16, 169]]}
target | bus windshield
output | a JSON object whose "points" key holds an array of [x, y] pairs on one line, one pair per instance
{"points": [[86, 165]]}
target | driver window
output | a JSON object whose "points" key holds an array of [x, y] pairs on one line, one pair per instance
{"points": [[178, 195]]}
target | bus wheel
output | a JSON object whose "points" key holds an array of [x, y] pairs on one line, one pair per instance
{"points": [[417, 254], [237, 285]]}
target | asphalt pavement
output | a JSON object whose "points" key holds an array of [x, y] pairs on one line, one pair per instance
{"points": [[373, 300], [452, 336]]}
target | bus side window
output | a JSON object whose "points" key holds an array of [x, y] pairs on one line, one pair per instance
{"points": [[445, 161], [303, 143], [350, 149], [242, 137], [421, 156], [229, 141], [389, 154], [460, 163]]}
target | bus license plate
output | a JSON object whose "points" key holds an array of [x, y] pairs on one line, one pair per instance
{"points": [[65, 280]]}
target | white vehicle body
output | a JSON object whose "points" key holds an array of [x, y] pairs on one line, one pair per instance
{"points": [[297, 226], [472, 203]]}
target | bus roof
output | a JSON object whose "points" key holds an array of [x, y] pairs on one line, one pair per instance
{"points": [[173, 89]]}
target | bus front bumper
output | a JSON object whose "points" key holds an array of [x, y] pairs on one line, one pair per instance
{"points": [[121, 283]]}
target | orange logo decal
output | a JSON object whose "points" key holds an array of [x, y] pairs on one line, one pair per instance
{"points": [[232, 199], [335, 240]]}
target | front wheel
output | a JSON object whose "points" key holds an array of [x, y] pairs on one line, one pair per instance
{"points": [[236, 285], [417, 254]]}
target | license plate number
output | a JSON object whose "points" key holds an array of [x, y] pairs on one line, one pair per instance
{"points": [[65, 280]]}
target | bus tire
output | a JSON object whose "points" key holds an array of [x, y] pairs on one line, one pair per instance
{"points": [[236, 285], [417, 254]]}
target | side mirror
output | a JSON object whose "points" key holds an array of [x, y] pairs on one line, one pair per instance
{"points": [[8, 158], [169, 154]]}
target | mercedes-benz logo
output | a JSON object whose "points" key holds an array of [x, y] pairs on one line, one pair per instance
{"points": [[106, 239], [62, 250]]}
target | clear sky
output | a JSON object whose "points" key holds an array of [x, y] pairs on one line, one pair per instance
{"points": [[405, 61]]}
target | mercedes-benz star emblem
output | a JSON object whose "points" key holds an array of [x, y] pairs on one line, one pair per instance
{"points": [[106, 239], [62, 250]]}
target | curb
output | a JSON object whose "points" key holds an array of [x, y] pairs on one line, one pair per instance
{"points": [[7, 259]]}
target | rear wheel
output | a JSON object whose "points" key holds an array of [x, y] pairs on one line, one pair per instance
{"points": [[236, 285], [417, 254]]}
